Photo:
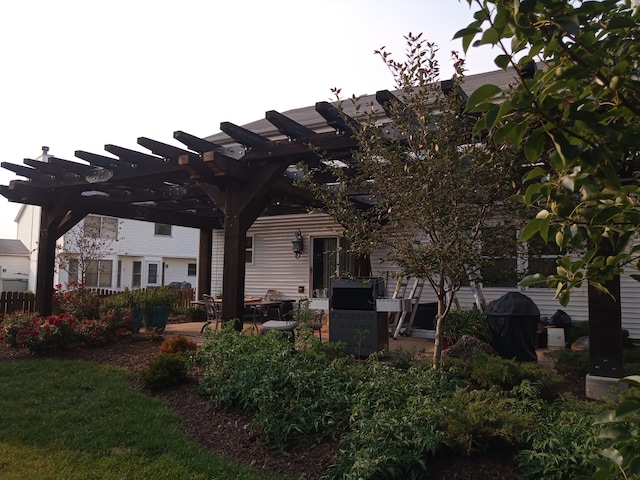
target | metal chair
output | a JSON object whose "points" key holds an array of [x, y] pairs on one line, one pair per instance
{"points": [[214, 314]]}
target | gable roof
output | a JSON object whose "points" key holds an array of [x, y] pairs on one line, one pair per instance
{"points": [[13, 247]]}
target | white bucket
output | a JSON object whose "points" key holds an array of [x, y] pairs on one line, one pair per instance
{"points": [[555, 339]]}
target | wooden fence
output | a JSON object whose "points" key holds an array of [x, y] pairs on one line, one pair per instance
{"points": [[23, 301], [17, 301]]}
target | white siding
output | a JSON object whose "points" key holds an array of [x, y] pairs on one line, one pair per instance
{"points": [[275, 265]]}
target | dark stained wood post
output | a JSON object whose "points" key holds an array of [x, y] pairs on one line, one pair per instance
{"points": [[55, 221], [605, 325], [205, 256], [46, 262], [234, 267]]}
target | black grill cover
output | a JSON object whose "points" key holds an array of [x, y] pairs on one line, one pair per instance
{"points": [[513, 319]]}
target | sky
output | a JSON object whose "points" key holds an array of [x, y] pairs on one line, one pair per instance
{"points": [[77, 74]]}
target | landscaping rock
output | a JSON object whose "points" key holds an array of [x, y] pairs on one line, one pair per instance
{"points": [[581, 344]]}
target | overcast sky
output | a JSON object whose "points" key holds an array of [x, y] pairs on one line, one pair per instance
{"points": [[77, 75]]}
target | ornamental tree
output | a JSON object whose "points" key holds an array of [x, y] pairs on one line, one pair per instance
{"points": [[578, 120], [419, 186]]}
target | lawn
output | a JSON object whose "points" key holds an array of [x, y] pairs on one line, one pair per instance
{"points": [[79, 420]]}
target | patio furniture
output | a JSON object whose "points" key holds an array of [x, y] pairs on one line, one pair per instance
{"points": [[214, 312], [282, 326]]}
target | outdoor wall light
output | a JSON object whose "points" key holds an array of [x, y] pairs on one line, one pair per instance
{"points": [[296, 243]]}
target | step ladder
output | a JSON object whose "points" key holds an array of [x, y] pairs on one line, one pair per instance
{"points": [[398, 292], [414, 296]]}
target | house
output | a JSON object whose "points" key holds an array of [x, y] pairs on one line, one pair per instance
{"points": [[14, 266], [271, 264], [123, 253]]}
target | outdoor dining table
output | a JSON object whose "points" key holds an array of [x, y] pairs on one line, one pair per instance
{"points": [[257, 304]]}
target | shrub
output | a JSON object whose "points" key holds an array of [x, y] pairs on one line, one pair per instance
{"points": [[47, 334], [11, 324], [489, 370], [466, 321], [177, 344], [562, 442], [77, 301], [164, 370], [298, 398]]}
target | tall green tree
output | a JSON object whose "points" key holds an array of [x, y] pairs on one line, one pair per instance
{"points": [[578, 120], [419, 186]]}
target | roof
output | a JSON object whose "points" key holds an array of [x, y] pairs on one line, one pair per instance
{"points": [[13, 247], [309, 117]]}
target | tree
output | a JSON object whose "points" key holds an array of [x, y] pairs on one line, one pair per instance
{"points": [[86, 245], [579, 121], [419, 186]]}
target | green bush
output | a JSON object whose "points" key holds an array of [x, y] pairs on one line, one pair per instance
{"points": [[76, 300], [490, 370], [164, 370], [467, 321], [298, 398], [620, 430], [562, 443]]}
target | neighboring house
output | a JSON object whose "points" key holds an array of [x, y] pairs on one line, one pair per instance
{"points": [[134, 254], [14, 266]]}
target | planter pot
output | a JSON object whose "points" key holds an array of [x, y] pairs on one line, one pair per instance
{"points": [[137, 313], [157, 317], [154, 316]]}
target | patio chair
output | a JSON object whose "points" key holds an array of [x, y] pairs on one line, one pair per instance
{"points": [[317, 322], [271, 312], [214, 314]]}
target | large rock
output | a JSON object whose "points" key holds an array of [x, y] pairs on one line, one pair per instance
{"points": [[466, 347]]}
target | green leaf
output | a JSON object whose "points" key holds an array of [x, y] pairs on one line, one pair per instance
{"points": [[481, 95], [544, 228], [627, 407], [613, 455], [534, 146], [607, 416], [532, 280], [502, 61], [530, 230]]}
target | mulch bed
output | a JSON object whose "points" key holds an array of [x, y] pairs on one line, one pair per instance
{"points": [[228, 433]]}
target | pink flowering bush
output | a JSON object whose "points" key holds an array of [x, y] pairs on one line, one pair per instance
{"points": [[76, 300], [13, 323], [43, 335], [46, 334]]}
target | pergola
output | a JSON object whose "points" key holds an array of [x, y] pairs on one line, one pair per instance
{"points": [[222, 182], [204, 185]]}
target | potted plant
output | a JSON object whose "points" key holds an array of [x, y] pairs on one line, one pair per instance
{"points": [[466, 321], [149, 306]]}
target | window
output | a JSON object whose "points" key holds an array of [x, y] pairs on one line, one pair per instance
{"points": [[191, 270], [119, 275], [249, 251], [500, 263], [73, 270], [98, 273], [152, 274], [542, 258], [136, 276], [101, 227], [162, 229]]}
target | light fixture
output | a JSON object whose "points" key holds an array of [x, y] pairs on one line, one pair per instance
{"points": [[98, 175], [297, 244]]}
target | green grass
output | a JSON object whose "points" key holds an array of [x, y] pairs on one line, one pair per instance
{"points": [[79, 420]]}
